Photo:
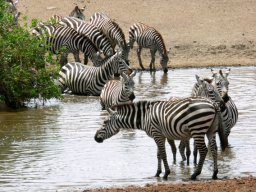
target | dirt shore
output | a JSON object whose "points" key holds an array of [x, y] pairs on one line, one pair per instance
{"points": [[198, 33]]}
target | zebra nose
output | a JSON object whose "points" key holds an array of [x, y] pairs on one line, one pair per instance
{"points": [[98, 139], [132, 97], [165, 70]]}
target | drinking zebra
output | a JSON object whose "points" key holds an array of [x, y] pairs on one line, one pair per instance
{"points": [[189, 117], [117, 92], [112, 30], [93, 33], [58, 37], [148, 37], [89, 80]]}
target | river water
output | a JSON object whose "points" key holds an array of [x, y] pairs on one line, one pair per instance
{"points": [[52, 148]]}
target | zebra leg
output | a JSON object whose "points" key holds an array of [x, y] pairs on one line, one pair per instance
{"points": [[85, 59], [63, 59], [188, 151], [161, 154], [182, 146], [174, 150], [213, 147], [195, 151], [159, 164], [139, 57], [76, 57], [153, 58], [200, 143]]}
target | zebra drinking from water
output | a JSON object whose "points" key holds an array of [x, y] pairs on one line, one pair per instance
{"points": [[148, 37], [90, 80], [112, 30], [189, 117], [92, 32], [117, 92], [57, 37]]}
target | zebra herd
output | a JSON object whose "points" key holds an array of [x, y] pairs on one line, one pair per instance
{"points": [[209, 109]]}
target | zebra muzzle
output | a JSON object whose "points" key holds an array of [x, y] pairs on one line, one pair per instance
{"points": [[98, 139]]}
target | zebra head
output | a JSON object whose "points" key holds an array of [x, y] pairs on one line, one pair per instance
{"points": [[221, 82], [109, 128], [78, 13], [206, 89], [119, 63], [164, 61], [128, 85]]}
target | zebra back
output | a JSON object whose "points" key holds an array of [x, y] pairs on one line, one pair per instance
{"points": [[93, 33], [112, 30]]}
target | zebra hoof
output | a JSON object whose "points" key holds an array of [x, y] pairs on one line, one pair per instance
{"points": [[165, 177], [214, 176], [158, 173], [194, 175]]}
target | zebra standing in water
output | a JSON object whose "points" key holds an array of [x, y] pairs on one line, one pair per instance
{"points": [[93, 33], [61, 36], [112, 30], [116, 92], [230, 116], [189, 117], [148, 37], [89, 80]]}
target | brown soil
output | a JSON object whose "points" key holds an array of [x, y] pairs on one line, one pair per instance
{"points": [[198, 33]]}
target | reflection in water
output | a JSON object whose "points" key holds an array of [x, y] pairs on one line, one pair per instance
{"points": [[52, 148]]}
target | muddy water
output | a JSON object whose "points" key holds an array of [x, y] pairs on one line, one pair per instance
{"points": [[52, 148]]}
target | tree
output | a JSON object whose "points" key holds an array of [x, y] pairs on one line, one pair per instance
{"points": [[24, 72]]}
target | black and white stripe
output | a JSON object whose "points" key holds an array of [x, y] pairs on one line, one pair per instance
{"points": [[58, 37], [112, 30], [92, 32], [189, 117], [116, 92], [88, 80], [148, 37]]}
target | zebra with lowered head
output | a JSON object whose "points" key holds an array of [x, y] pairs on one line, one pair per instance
{"points": [[192, 117], [116, 92], [92, 32], [58, 37], [112, 30], [89, 80], [148, 37]]}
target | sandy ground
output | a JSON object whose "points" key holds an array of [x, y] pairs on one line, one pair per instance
{"points": [[197, 32]]}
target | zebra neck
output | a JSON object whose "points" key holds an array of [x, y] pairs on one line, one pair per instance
{"points": [[108, 68]]}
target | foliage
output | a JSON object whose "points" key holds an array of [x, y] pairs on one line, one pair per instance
{"points": [[24, 71]]}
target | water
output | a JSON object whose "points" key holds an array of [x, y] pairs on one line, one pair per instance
{"points": [[52, 148]]}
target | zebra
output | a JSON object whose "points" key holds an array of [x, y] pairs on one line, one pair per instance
{"points": [[93, 33], [117, 92], [189, 117], [76, 12], [112, 30], [148, 37], [12, 8], [89, 80], [230, 116], [61, 36]]}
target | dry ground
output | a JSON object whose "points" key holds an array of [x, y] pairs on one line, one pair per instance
{"points": [[198, 33]]}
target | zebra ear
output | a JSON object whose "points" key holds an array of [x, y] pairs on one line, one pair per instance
{"points": [[199, 80], [214, 73]]}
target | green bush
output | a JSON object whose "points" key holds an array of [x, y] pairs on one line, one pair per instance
{"points": [[24, 72]]}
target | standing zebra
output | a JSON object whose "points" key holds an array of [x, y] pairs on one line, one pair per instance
{"points": [[60, 36], [112, 30], [89, 80], [148, 37], [116, 92], [230, 116], [93, 33], [189, 117]]}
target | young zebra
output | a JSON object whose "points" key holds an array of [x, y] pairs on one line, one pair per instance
{"points": [[93, 33], [117, 92], [230, 116], [191, 117], [58, 37], [148, 37], [89, 80], [112, 30]]}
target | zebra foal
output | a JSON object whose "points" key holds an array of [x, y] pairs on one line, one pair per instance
{"points": [[116, 92], [188, 118], [148, 37], [89, 80]]}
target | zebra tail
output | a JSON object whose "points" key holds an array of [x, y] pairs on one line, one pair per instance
{"points": [[221, 133]]}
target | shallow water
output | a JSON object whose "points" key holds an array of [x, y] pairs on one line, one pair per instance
{"points": [[52, 148]]}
